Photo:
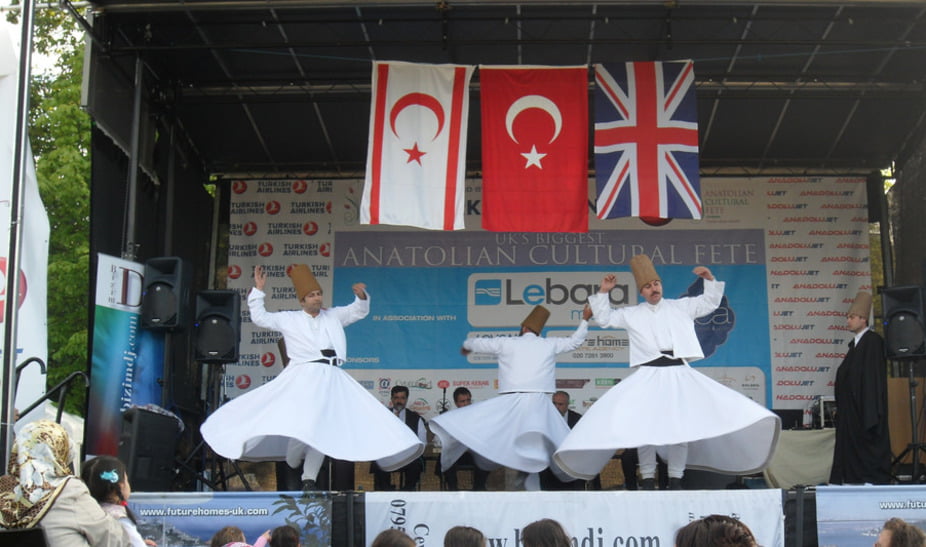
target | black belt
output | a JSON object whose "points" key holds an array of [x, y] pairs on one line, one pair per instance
{"points": [[332, 361], [663, 361]]}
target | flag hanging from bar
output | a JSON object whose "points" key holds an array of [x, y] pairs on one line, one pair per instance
{"points": [[646, 141], [416, 157], [534, 148]]}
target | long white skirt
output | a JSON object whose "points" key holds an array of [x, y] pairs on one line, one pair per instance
{"points": [[516, 430], [725, 431], [319, 405]]}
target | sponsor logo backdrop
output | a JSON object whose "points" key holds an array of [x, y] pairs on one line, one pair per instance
{"points": [[793, 251]]}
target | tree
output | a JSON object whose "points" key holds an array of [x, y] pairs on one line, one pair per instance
{"points": [[60, 138]]}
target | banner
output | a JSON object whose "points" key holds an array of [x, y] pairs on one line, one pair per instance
{"points": [[416, 158], [189, 519], [792, 250], [127, 361], [591, 519], [852, 516], [32, 326], [534, 148]]}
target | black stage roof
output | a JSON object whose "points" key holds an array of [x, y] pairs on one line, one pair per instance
{"points": [[281, 87]]}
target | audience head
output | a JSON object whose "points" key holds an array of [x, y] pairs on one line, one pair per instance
{"points": [[545, 533], [561, 402], [464, 536], [284, 536], [462, 397], [715, 531], [398, 397], [107, 479], [39, 468], [229, 534], [392, 538], [897, 533]]}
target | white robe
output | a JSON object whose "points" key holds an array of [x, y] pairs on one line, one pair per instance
{"points": [[725, 431], [316, 404], [520, 428]]}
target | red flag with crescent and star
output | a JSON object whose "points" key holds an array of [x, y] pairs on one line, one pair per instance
{"points": [[416, 160], [534, 148]]}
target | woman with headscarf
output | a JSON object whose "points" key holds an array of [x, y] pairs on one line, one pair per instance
{"points": [[40, 490]]}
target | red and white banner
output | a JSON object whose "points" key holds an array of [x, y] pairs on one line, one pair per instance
{"points": [[416, 159], [534, 149]]}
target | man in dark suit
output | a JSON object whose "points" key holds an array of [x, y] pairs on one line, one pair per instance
{"points": [[463, 397], [411, 473], [548, 480]]}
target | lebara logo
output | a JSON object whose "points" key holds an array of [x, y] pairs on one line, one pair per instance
{"points": [[488, 292], [243, 381]]}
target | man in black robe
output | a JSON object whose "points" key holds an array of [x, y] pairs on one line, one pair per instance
{"points": [[863, 447]]}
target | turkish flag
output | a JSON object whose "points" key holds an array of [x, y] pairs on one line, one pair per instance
{"points": [[416, 160], [534, 149]]}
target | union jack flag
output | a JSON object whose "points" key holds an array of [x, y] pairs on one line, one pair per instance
{"points": [[646, 140]]}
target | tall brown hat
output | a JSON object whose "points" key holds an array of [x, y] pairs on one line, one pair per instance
{"points": [[862, 305], [643, 270], [303, 280], [536, 319]]}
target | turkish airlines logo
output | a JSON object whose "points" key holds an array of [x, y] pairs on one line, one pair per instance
{"points": [[234, 271], [249, 228], [533, 157], [243, 381], [265, 249], [325, 249], [310, 228], [239, 187], [22, 289], [300, 186], [272, 207], [268, 359]]}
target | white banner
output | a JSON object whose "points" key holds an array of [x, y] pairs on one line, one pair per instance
{"points": [[593, 519], [32, 334]]}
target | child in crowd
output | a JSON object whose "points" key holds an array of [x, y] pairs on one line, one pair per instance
{"points": [[108, 482]]}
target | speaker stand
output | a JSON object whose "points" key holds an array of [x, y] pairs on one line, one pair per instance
{"points": [[915, 447], [211, 471]]}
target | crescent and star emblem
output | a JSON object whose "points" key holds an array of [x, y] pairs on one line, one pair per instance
{"points": [[417, 99], [525, 103]]}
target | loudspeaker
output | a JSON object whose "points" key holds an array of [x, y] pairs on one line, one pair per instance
{"points": [[904, 332], [147, 446], [217, 326], [166, 296]]}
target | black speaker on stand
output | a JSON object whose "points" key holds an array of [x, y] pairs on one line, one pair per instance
{"points": [[216, 330], [166, 294], [905, 341]]}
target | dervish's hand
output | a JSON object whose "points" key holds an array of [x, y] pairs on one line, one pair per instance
{"points": [[260, 277], [360, 290], [607, 283], [465, 352], [703, 273], [587, 312]]}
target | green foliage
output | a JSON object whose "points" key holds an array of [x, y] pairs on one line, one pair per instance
{"points": [[60, 137]]}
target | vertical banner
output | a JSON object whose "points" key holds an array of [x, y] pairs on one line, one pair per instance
{"points": [[127, 361], [32, 331]]}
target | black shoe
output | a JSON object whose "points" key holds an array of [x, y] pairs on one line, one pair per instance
{"points": [[675, 484], [648, 484], [309, 486]]}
